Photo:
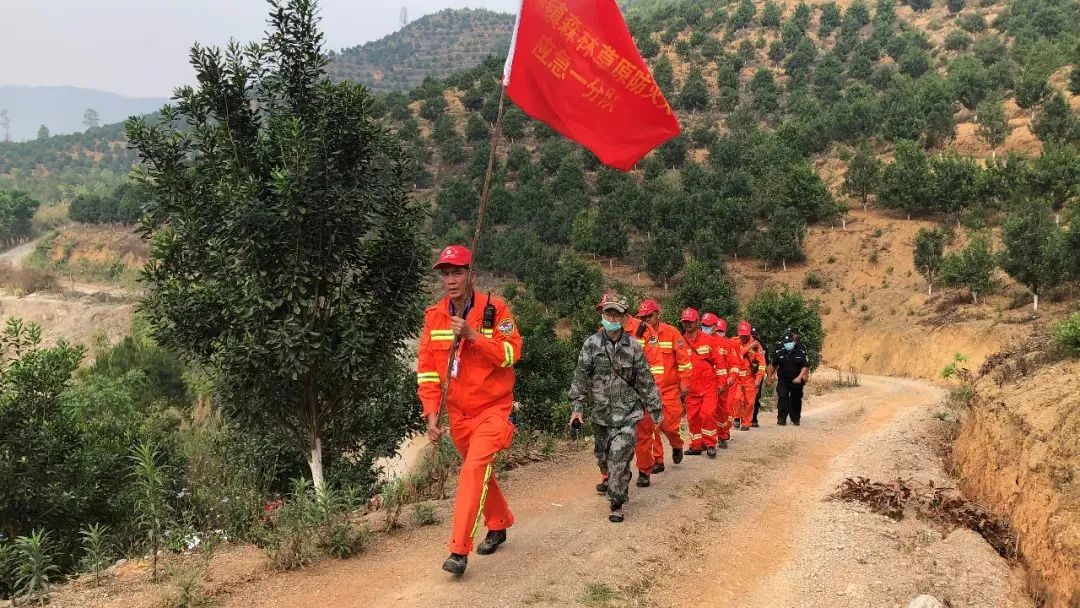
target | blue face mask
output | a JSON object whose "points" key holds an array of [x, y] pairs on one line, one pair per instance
{"points": [[611, 325], [789, 346], [708, 330]]}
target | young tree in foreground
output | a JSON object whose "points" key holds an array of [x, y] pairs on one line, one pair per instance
{"points": [[1034, 253], [285, 250], [972, 267], [929, 249]]}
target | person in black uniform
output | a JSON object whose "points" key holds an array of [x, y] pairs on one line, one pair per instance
{"points": [[791, 367], [761, 385]]}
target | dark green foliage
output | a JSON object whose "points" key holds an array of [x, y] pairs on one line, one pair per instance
{"points": [[905, 183], [773, 311], [957, 40], [1055, 174], [673, 151], [694, 94], [782, 240], [664, 74], [970, 79], [16, 214], [993, 124], [830, 18], [955, 6], [770, 14], [929, 253], [1057, 123], [476, 129], [1031, 88], [777, 51], [545, 368], [954, 185], [920, 5], [573, 284], [664, 255], [122, 206], [742, 15], [974, 23], [863, 174], [265, 271], [706, 287], [971, 268], [1034, 251], [764, 91], [1074, 80]]}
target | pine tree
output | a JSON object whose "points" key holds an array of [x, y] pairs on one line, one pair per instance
{"points": [[694, 94]]}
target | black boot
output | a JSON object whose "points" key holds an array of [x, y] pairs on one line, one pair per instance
{"points": [[693, 452], [642, 480], [491, 542], [676, 455], [616, 515], [601, 487], [754, 424], [723, 444], [781, 422], [710, 451], [795, 422], [456, 564], [658, 468]]}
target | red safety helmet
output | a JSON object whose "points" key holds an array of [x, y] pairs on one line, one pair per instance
{"points": [[709, 319], [689, 314], [454, 255], [744, 328], [647, 308], [721, 325]]}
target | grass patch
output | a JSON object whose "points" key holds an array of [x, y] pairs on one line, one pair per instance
{"points": [[597, 594], [27, 280]]}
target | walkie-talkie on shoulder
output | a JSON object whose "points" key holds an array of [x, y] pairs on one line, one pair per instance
{"points": [[641, 329]]}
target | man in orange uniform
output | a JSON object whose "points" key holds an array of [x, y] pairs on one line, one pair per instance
{"points": [[751, 359], [669, 360], [479, 399], [701, 399], [717, 328]]}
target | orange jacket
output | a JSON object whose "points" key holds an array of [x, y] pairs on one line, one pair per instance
{"points": [[665, 351], [729, 351], [751, 351], [705, 358], [485, 369]]}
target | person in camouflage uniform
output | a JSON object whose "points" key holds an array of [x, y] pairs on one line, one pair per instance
{"points": [[613, 377]]}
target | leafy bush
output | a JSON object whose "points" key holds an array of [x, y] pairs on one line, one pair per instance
{"points": [[772, 312], [424, 514], [309, 525], [1067, 334], [813, 280]]}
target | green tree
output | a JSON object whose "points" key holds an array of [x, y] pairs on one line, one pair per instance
{"points": [[954, 184], [955, 6], [1055, 175], [664, 256], [777, 51], [1074, 80], [863, 174], [929, 252], [664, 74], [971, 267], [476, 129], [742, 15], [1031, 88], [993, 125], [513, 123], [1056, 124], [569, 177], [694, 94], [970, 79], [706, 287], [957, 40], [770, 14], [764, 91], [43, 132], [831, 18], [1034, 251], [773, 311], [260, 269], [610, 235], [783, 238], [905, 183], [433, 107], [91, 119]]}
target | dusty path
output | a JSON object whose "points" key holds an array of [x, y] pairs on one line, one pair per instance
{"points": [[743, 530]]}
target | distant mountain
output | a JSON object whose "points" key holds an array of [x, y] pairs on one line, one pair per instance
{"points": [[434, 45], [61, 109]]}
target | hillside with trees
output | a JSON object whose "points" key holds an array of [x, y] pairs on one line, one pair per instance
{"points": [[434, 45], [24, 110]]}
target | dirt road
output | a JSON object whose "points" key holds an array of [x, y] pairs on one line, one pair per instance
{"points": [[751, 528]]}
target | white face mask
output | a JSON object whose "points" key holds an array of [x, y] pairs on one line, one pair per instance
{"points": [[708, 330]]}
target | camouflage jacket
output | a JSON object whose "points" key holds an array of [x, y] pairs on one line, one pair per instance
{"points": [[613, 401]]}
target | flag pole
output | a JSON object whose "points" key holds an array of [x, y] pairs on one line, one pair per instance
{"points": [[485, 191]]}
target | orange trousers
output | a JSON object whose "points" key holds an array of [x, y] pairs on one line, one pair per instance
{"points": [[478, 439], [649, 449], [741, 401], [701, 417], [723, 414]]}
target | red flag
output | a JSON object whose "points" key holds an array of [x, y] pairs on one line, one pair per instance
{"points": [[574, 66]]}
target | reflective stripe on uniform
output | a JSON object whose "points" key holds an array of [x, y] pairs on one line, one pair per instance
{"points": [[483, 499], [487, 333], [704, 350], [422, 377], [685, 367], [667, 345], [657, 370], [440, 335], [742, 373], [708, 433], [721, 372], [693, 436], [508, 349]]}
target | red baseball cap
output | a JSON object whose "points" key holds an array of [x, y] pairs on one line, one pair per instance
{"points": [[709, 319], [744, 328], [454, 255], [721, 324], [689, 314], [647, 308]]}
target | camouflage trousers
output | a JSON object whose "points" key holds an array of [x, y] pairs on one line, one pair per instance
{"points": [[614, 451]]}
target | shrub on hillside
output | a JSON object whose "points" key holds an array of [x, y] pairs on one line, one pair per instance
{"points": [[1067, 334], [772, 312], [26, 280]]}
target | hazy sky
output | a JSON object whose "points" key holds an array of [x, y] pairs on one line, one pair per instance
{"points": [[140, 47]]}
